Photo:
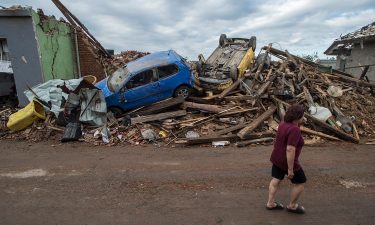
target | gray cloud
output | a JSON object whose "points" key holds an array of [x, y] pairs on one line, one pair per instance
{"points": [[192, 27]]}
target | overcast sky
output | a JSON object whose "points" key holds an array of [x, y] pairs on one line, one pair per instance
{"points": [[191, 27]]}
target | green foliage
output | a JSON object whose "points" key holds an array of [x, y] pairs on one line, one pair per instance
{"points": [[311, 57]]}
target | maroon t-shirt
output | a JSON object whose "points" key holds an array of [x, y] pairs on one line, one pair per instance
{"points": [[287, 134]]}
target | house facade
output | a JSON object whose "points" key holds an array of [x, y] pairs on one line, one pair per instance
{"points": [[38, 48], [355, 52]]}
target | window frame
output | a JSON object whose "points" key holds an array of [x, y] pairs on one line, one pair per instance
{"points": [[165, 77], [154, 76]]}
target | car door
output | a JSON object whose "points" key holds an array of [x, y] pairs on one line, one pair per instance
{"points": [[168, 80], [141, 89]]}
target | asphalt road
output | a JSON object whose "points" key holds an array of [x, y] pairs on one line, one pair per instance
{"points": [[45, 183]]}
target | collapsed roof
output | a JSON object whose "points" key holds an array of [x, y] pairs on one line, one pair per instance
{"points": [[345, 43]]}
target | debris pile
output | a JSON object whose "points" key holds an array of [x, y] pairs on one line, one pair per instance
{"points": [[338, 107], [119, 60]]}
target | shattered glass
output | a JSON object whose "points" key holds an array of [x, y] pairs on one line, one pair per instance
{"points": [[117, 78]]}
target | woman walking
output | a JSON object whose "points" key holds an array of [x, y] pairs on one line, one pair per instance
{"points": [[284, 158]]}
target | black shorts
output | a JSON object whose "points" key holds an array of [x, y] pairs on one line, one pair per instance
{"points": [[298, 178]]}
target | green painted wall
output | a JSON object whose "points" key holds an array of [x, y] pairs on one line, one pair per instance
{"points": [[56, 48]]}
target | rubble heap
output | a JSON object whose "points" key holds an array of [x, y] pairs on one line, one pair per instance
{"points": [[338, 108], [119, 60]]}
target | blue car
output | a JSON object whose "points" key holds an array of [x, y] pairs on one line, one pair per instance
{"points": [[149, 79]]}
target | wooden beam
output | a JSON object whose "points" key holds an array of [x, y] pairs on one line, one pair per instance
{"points": [[205, 107], [355, 131], [231, 129], [319, 134], [160, 106], [77, 23], [231, 137], [239, 98], [257, 122], [232, 87], [363, 74], [249, 142], [308, 96], [277, 53], [291, 58], [238, 112], [160, 116]]}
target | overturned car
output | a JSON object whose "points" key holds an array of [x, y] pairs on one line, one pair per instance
{"points": [[226, 64]]}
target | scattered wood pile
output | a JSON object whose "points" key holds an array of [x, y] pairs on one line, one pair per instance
{"points": [[249, 111]]}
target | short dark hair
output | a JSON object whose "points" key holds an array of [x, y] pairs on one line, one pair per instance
{"points": [[294, 112]]}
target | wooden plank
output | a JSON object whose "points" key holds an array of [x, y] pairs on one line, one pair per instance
{"points": [[249, 142], [238, 112], [160, 106], [231, 129], [280, 110], [319, 134], [205, 107], [201, 100], [277, 53], [355, 131], [231, 88], [257, 122], [239, 98], [308, 96], [77, 23], [160, 116], [231, 137], [291, 58]]}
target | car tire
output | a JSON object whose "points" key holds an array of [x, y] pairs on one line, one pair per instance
{"points": [[183, 91], [222, 40], [117, 112], [252, 43], [233, 73]]}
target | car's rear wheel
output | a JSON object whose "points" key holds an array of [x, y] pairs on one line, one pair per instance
{"points": [[117, 112], [182, 91], [222, 40], [252, 43]]}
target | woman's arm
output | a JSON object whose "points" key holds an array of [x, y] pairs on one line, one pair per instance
{"points": [[290, 155]]}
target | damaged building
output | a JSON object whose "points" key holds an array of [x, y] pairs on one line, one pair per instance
{"points": [[355, 52], [35, 48]]}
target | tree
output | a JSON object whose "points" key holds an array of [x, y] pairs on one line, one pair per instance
{"points": [[311, 57]]}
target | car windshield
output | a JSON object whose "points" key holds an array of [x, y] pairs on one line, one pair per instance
{"points": [[117, 78]]}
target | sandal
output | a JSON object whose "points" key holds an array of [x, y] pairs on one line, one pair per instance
{"points": [[277, 207], [298, 210]]}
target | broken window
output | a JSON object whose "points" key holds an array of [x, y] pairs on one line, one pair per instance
{"points": [[117, 78], [140, 79], [4, 52], [166, 71]]}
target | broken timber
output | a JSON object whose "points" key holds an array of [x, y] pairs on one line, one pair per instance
{"points": [[254, 141], [160, 106], [160, 116], [257, 122], [231, 137], [204, 107], [232, 87], [319, 134]]}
